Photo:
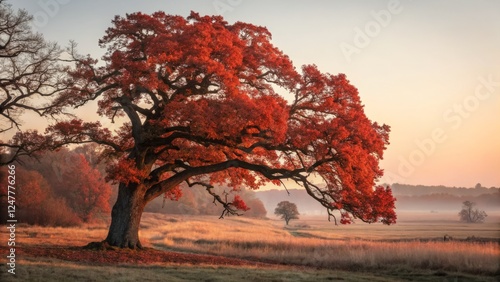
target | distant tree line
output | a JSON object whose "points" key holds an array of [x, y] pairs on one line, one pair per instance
{"points": [[416, 197], [409, 197], [194, 201], [446, 201], [418, 190]]}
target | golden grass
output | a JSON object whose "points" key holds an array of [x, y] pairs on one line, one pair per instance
{"points": [[269, 241], [385, 253], [63, 236]]}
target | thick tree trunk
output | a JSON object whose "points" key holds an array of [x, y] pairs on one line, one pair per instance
{"points": [[126, 217]]}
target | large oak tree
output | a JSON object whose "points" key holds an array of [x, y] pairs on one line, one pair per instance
{"points": [[199, 98]]}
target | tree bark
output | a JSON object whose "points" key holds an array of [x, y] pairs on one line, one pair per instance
{"points": [[126, 217]]}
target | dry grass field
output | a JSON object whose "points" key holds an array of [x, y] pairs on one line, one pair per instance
{"points": [[244, 249]]}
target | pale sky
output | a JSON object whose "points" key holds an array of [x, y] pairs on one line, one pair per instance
{"points": [[429, 69]]}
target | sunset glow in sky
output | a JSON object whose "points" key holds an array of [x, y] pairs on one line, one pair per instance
{"points": [[429, 69]]}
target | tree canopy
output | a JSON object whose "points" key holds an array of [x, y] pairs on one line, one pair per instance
{"points": [[200, 102]]}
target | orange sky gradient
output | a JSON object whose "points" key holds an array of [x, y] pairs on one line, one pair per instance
{"points": [[429, 70]]}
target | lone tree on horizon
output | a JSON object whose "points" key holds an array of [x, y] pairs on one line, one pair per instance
{"points": [[287, 211], [471, 215], [197, 102]]}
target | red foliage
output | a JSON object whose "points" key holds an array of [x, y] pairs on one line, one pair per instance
{"points": [[60, 188], [36, 202], [89, 193], [32, 189], [125, 171], [384, 205], [256, 208], [199, 98], [53, 212], [239, 204], [173, 194], [345, 218]]}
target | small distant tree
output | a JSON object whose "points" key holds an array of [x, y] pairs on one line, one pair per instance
{"points": [[287, 211], [470, 214]]}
